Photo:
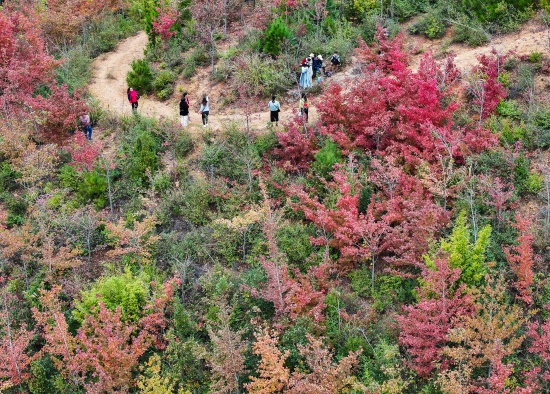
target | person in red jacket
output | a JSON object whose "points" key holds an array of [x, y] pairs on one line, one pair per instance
{"points": [[133, 98]]}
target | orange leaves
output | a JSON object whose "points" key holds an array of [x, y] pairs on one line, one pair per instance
{"points": [[273, 375], [137, 241]]}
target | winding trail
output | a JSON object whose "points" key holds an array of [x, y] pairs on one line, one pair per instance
{"points": [[109, 77], [109, 86]]}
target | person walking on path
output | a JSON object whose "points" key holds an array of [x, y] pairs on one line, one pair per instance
{"points": [[184, 110], [310, 69], [335, 61], [204, 110], [86, 125], [304, 107], [321, 65], [304, 79], [317, 63], [133, 98], [274, 108]]}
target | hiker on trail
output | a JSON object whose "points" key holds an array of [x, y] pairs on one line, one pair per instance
{"points": [[335, 61], [86, 125], [310, 69], [184, 110], [204, 110], [133, 98], [274, 108], [304, 107], [322, 65], [317, 63], [305, 82]]}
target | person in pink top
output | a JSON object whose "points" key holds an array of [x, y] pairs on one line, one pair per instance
{"points": [[133, 98], [86, 124]]}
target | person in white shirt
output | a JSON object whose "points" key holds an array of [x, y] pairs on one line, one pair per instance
{"points": [[274, 108], [204, 110]]}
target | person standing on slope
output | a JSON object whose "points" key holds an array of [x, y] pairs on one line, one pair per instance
{"points": [[86, 125], [204, 110], [184, 110], [304, 107], [274, 108], [133, 98], [305, 81]]}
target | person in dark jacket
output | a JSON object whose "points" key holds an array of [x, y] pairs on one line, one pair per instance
{"points": [[317, 63], [184, 110]]}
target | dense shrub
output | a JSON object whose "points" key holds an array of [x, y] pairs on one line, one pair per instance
{"points": [[275, 35], [470, 31], [432, 25], [103, 34], [264, 76], [164, 84], [125, 291], [197, 58], [140, 77], [504, 15], [541, 128]]}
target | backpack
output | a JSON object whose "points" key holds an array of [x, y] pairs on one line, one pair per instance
{"points": [[335, 59]]}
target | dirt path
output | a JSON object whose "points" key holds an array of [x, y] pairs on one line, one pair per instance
{"points": [[110, 69], [109, 87]]}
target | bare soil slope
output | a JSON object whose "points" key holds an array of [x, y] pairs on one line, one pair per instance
{"points": [[533, 37]]}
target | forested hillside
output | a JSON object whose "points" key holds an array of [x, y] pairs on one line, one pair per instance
{"points": [[397, 241]]}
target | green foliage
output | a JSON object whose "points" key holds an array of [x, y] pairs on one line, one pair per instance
{"points": [[470, 31], [359, 9], [93, 187], [146, 12], [140, 149], [535, 57], [405, 9], [265, 142], [432, 25], [126, 291], [7, 178], [276, 34], [16, 207], [197, 58], [75, 69], [164, 84], [68, 177], [385, 371], [525, 181], [262, 77], [326, 158], [293, 240], [510, 131], [508, 108], [103, 34], [505, 15], [45, 377], [161, 182], [140, 77], [469, 257], [195, 203], [541, 128]]}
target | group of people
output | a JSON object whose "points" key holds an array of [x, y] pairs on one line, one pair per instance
{"points": [[311, 68], [204, 110], [313, 65], [275, 107]]}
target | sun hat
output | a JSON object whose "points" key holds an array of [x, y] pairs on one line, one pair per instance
{"points": [[319, 57], [311, 55]]}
